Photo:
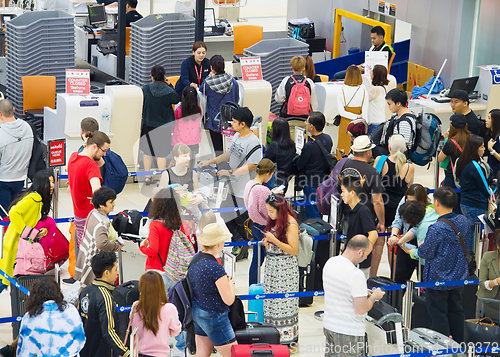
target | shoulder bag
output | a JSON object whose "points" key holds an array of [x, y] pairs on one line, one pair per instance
{"points": [[470, 257]]}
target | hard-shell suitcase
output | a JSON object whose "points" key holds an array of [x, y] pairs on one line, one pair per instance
{"points": [[256, 306], [386, 317], [428, 340], [132, 260], [419, 314], [393, 297], [261, 350], [306, 282], [125, 295], [257, 332], [18, 299]]}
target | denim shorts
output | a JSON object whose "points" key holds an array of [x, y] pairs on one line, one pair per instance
{"points": [[213, 325]]}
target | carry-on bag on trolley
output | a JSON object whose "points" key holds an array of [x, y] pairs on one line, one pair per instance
{"points": [[125, 295], [258, 332]]}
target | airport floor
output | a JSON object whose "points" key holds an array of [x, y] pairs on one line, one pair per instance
{"points": [[136, 195]]}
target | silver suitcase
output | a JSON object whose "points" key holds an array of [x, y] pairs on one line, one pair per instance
{"points": [[423, 339]]}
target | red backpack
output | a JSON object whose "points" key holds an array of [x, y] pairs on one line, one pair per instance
{"points": [[299, 101]]}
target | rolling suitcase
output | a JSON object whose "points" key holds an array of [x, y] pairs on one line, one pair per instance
{"points": [[257, 306], [393, 297], [257, 332], [261, 350], [125, 295], [132, 260], [419, 314], [18, 299], [306, 282], [423, 339]]}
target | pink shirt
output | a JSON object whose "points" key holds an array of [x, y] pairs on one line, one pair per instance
{"points": [[169, 325], [255, 202]]}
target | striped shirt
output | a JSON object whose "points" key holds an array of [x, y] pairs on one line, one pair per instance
{"points": [[342, 282]]}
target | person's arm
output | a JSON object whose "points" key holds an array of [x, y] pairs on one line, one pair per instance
{"points": [[185, 72], [363, 304], [408, 170], [378, 206], [225, 286], [314, 99], [95, 183], [164, 179], [173, 97], [373, 93], [341, 104], [221, 158], [195, 181], [245, 169], [397, 224], [172, 315], [428, 249], [484, 283], [102, 242], [106, 309], [17, 212], [366, 102], [292, 234], [303, 158], [442, 156], [280, 95], [77, 333]]}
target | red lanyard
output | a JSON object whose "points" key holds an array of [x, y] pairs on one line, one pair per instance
{"points": [[198, 74]]}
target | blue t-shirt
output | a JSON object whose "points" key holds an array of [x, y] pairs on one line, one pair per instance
{"points": [[203, 274]]}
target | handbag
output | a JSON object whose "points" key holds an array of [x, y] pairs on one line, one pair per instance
{"points": [[479, 331], [492, 205], [470, 257], [30, 257], [338, 117]]}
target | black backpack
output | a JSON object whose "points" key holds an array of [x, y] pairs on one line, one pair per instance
{"points": [[38, 159], [383, 132], [127, 221]]}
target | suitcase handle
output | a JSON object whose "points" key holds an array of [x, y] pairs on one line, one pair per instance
{"points": [[262, 353]]}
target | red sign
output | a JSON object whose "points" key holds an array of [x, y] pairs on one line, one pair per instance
{"points": [[57, 152], [77, 81], [251, 68]]}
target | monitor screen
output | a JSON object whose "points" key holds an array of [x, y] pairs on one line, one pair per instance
{"points": [[209, 17], [97, 15]]}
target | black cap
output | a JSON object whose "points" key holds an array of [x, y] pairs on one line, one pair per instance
{"points": [[460, 94], [458, 120]]}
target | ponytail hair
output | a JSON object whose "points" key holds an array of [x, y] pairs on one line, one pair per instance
{"points": [[97, 137], [398, 147]]}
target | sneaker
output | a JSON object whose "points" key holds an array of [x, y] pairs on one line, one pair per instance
{"points": [[69, 281]]}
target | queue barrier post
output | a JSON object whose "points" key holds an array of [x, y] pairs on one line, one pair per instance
{"points": [[477, 244], [436, 170], [407, 306], [55, 194]]}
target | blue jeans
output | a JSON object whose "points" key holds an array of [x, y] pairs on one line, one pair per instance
{"points": [[472, 214], [169, 284], [9, 191], [257, 236], [310, 195], [339, 75]]}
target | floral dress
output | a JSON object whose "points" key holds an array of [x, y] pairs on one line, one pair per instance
{"points": [[281, 275]]}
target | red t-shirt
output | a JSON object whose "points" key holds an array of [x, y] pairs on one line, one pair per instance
{"points": [[159, 242], [81, 169]]}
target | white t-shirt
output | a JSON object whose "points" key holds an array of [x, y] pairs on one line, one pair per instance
{"points": [[342, 282], [377, 105]]}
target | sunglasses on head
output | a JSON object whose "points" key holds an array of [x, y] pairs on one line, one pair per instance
{"points": [[272, 198]]}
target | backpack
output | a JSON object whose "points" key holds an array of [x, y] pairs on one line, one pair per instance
{"points": [[299, 101], [225, 115], [180, 254], [114, 172], [38, 161], [328, 188], [382, 133], [127, 221], [305, 253], [427, 138], [30, 258]]}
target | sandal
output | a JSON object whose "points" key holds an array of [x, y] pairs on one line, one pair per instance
{"points": [[148, 181]]}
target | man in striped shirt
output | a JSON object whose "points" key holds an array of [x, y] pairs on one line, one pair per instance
{"points": [[347, 300], [404, 120]]}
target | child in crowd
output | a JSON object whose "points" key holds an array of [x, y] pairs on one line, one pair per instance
{"points": [[360, 219], [187, 129], [206, 218]]}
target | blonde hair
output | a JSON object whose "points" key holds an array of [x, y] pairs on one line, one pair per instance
{"points": [[178, 150], [265, 166], [353, 76], [298, 64], [206, 218], [398, 147]]}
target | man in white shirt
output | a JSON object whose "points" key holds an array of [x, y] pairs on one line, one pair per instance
{"points": [[347, 300]]}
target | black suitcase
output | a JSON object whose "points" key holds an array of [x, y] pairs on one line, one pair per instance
{"points": [[306, 282], [258, 332], [317, 226], [469, 299], [386, 315], [18, 299], [419, 314], [393, 297], [125, 295]]}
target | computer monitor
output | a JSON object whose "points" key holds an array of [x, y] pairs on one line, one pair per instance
{"points": [[97, 15], [209, 17], [466, 84]]}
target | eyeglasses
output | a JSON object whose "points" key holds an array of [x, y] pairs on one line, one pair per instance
{"points": [[104, 151]]}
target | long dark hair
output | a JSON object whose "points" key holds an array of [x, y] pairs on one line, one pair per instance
{"points": [[310, 70], [166, 209], [494, 131], [379, 75], [44, 289], [279, 203], [460, 136], [151, 299], [469, 153], [419, 192], [281, 134], [189, 103], [40, 185]]}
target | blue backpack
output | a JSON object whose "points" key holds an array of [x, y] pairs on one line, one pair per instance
{"points": [[114, 172], [427, 139]]}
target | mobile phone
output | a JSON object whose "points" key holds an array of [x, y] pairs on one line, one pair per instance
{"points": [[279, 188]]}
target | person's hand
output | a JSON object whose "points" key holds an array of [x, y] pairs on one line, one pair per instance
{"points": [[445, 135], [42, 233], [183, 194], [361, 67], [370, 292], [204, 163], [404, 247], [231, 281], [145, 243], [392, 241], [223, 173], [196, 200], [491, 143], [379, 293], [269, 238], [194, 85], [380, 228], [341, 152], [121, 246]]}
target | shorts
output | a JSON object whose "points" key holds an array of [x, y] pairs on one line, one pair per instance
{"points": [[213, 325], [156, 142]]}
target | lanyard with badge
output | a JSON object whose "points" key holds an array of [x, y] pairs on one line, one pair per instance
{"points": [[198, 73]]}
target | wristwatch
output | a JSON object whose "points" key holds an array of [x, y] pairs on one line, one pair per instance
{"points": [[492, 152], [231, 172]]}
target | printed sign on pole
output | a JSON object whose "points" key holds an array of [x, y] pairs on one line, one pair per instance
{"points": [[375, 57], [251, 68], [77, 81], [57, 152], [300, 135], [386, 8]]}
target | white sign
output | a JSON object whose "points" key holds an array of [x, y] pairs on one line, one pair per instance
{"points": [[229, 262], [375, 57], [251, 68], [300, 134], [334, 212], [387, 8]]}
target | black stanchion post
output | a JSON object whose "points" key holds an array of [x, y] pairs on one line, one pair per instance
{"points": [[55, 194], [200, 20], [436, 170], [477, 244], [120, 57]]}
